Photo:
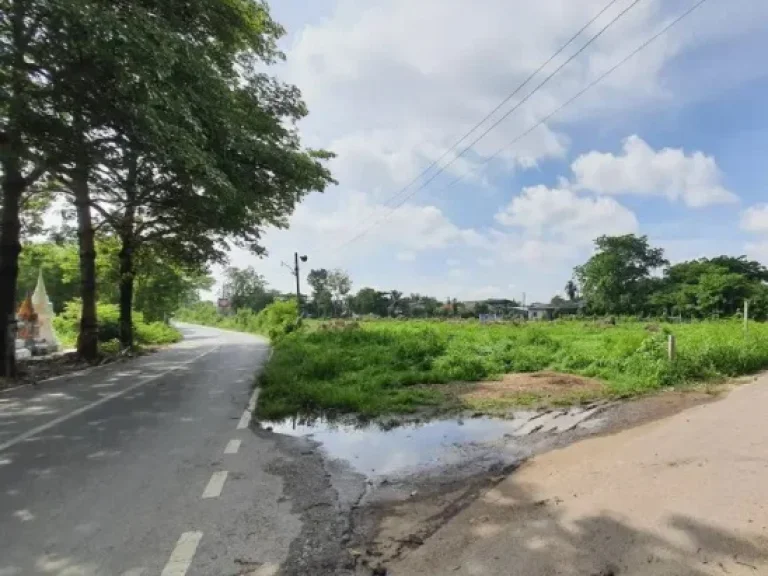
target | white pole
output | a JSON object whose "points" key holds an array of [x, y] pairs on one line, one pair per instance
{"points": [[746, 314], [671, 348]]}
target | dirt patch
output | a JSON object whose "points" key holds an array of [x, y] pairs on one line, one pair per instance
{"points": [[540, 383], [534, 388]]}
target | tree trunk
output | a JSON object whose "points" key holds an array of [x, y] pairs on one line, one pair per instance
{"points": [[10, 247], [13, 185], [128, 240], [88, 339], [126, 294]]}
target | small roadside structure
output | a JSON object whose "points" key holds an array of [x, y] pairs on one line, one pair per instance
{"points": [[539, 311], [34, 319]]}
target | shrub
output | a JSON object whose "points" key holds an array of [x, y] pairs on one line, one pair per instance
{"points": [[67, 327]]}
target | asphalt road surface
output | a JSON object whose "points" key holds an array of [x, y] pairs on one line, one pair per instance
{"points": [[143, 468]]}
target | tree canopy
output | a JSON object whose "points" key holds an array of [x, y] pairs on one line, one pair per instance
{"points": [[617, 278], [628, 276], [159, 122]]}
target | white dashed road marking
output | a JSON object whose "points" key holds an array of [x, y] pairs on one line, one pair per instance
{"points": [[215, 484], [181, 557], [232, 447], [245, 419]]}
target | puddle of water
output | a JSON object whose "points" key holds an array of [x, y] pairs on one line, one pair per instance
{"points": [[374, 451]]}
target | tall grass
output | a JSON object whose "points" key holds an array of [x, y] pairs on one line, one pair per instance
{"points": [[374, 367]]}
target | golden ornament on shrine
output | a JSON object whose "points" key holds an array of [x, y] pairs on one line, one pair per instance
{"points": [[26, 310]]}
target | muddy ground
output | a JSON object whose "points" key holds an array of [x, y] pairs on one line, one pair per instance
{"points": [[356, 525]]}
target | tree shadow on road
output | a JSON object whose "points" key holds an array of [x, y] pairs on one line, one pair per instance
{"points": [[508, 531]]}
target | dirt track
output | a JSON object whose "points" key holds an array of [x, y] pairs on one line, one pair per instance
{"points": [[687, 495]]}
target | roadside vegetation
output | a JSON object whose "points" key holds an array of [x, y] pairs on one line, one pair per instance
{"points": [[378, 367], [146, 333], [274, 321], [623, 304]]}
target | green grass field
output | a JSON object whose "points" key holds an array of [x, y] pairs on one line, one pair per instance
{"points": [[389, 366]]}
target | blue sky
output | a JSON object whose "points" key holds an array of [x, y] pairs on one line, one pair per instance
{"points": [[672, 145]]}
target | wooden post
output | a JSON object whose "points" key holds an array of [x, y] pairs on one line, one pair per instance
{"points": [[671, 347], [746, 315]]}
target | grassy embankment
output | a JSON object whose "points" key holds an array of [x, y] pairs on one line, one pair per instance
{"points": [[388, 366]]}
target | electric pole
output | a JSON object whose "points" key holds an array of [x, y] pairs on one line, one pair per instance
{"points": [[298, 280], [296, 271]]}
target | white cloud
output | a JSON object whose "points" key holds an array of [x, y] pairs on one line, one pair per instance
{"points": [[755, 219], [453, 262], [561, 214], [693, 178], [485, 292], [486, 262], [412, 227], [391, 84], [757, 251]]}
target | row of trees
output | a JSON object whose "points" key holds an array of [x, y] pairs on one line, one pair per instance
{"points": [[625, 276], [331, 296], [628, 276], [154, 121]]}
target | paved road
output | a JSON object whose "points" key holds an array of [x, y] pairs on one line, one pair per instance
{"points": [[684, 496], [143, 468]]}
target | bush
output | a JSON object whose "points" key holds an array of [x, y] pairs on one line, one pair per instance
{"points": [[275, 321], [67, 327]]}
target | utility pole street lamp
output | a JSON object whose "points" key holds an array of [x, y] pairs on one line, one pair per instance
{"points": [[297, 273]]}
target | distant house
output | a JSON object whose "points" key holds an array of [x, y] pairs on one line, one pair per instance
{"points": [[538, 311]]}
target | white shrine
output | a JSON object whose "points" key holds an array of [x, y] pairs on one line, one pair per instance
{"points": [[35, 324], [44, 309]]}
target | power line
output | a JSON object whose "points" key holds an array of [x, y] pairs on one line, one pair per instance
{"points": [[588, 87], [549, 116], [499, 121], [503, 102]]}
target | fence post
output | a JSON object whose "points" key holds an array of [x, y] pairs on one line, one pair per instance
{"points": [[671, 347], [746, 315]]}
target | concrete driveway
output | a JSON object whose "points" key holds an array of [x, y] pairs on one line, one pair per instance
{"points": [[687, 495]]}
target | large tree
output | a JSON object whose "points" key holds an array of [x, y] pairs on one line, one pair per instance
{"points": [[369, 301], [322, 299], [339, 285], [245, 288], [28, 124], [616, 280], [174, 135]]}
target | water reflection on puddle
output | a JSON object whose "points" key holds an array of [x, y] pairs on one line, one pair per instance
{"points": [[374, 451]]}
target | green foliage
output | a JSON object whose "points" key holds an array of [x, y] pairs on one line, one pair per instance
{"points": [[616, 279], [161, 285], [67, 325], [275, 321], [373, 367], [245, 288]]}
